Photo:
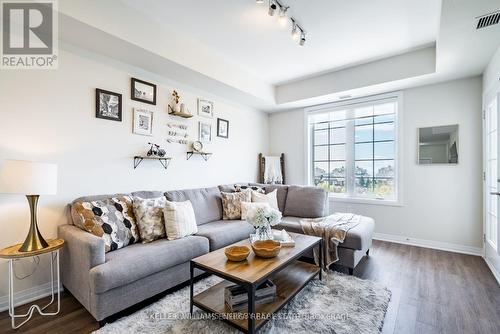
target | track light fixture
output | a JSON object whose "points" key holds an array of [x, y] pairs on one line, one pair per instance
{"points": [[298, 33]]}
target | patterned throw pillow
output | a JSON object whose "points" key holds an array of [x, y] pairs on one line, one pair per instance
{"points": [[231, 203], [239, 188], [149, 216], [111, 219]]}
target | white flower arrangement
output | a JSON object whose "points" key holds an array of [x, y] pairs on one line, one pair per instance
{"points": [[262, 217]]}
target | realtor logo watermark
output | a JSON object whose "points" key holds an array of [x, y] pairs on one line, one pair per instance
{"points": [[29, 34]]}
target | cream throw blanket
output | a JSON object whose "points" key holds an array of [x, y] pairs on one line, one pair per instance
{"points": [[333, 230], [272, 171]]}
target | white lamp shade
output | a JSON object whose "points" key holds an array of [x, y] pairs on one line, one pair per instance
{"points": [[28, 178]]}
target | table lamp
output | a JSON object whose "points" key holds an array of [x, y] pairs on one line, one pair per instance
{"points": [[31, 179]]}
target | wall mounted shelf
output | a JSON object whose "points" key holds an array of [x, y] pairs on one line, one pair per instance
{"points": [[165, 162], [178, 113], [204, 155]]}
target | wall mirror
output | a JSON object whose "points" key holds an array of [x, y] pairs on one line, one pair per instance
{"points": [[438, 145]]}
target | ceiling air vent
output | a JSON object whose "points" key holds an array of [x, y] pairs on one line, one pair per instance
{"points": [[488, 20]]}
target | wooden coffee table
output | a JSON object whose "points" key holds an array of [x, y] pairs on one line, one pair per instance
{"points": [[288, 274]]}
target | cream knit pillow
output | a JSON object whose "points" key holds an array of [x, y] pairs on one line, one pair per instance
{"points": [[179, 220], [271, 198]]}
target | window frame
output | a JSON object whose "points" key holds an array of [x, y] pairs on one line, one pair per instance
{"points": [[398, 153]]}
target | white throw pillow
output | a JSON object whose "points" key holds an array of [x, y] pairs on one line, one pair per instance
{"points": [[248, 207], [271, 198], [179, 220]]}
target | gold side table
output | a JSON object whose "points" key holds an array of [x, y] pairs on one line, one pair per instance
{"points": [[12, 254]]}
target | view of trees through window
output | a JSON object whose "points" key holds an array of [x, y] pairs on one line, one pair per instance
{"points": [[353, 150]]}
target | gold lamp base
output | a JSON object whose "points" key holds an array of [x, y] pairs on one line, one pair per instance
{"points": [[34, 240]]}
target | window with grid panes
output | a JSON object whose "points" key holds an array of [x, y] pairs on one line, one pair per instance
{"points": [[353, 149]]}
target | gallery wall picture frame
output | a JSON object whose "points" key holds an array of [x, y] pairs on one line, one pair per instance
{"points": [[143, 122], [222, 128], [142, 91], [205, 108], [204, 132], [108, 105]]}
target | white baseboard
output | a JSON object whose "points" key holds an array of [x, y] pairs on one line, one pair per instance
{"points": [[27, 296], [492, 269], [445, 246]]}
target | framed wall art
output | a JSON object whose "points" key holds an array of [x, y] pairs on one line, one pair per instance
{"points": [[143, 91], [205, 108], [143, 122], [205, 132], [222, 128], [108, 105]]}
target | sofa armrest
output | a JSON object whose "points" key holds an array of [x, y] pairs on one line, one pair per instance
{"points": [[82, 247], [81, 252]]}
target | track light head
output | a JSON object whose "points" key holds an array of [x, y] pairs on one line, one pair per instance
{"points": [[272, 8], [302, 39], [283, 19], [295, 30]]}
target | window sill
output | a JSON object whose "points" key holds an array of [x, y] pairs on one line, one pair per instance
{"points": [[369, 201]]}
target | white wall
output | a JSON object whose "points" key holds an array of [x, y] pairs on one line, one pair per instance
{"points": [[441, 203], [50, 116]]}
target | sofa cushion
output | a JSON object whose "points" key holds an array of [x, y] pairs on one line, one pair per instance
{"points": [[225, 232], [137, 261], [282, 192], [306, 202], [290, 224], [359, 237], [207, 203], [148, 194]]}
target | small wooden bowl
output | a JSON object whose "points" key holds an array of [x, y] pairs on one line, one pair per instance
{"points": [[266, 248], [237, 253]]}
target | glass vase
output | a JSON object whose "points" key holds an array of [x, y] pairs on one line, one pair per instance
{"points": [[264, 233]]}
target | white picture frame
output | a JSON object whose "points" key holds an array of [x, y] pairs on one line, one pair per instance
{"points": [[204, 132], [143, 122], [205, 108]]}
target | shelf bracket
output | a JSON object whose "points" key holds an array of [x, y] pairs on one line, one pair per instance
{"points": [[165, 162], [137, 161]]}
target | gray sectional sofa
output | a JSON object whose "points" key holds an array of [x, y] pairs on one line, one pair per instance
{"points": [[106, 283]]}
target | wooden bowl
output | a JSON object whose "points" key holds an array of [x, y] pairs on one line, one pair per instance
{"points": [[237, 253], [266, 248]]}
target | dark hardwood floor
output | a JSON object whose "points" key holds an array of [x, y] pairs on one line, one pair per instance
{"points": [[432, 292]]}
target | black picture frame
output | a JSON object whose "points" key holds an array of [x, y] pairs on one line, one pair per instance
{"points": [[99, 113], [220, 121], [133, 83]]}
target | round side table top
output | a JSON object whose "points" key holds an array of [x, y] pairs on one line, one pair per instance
{"points": [[12, 252]]}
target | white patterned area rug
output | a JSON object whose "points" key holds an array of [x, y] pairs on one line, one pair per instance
{"points": [[338, 304]]}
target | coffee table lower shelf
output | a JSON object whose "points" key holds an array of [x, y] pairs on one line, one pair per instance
{"points": [[288, 281]]}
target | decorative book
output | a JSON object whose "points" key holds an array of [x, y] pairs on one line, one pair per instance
{"points": [[236, 296]]}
